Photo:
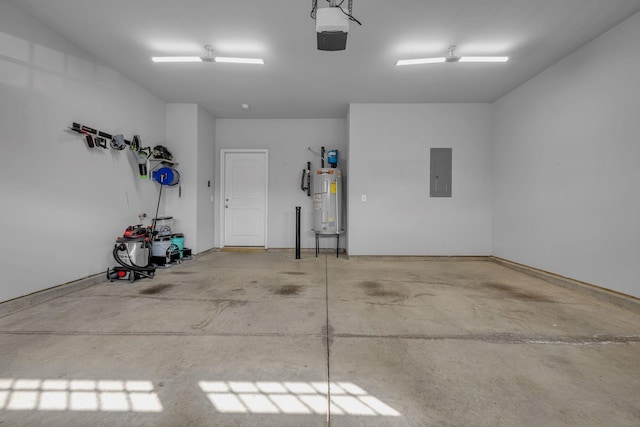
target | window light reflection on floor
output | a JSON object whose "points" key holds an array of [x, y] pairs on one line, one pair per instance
{"points": [[78, 395], [240, 397], [293, 398]]}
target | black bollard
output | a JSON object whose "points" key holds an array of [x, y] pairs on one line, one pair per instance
{"points": [[298, 232]]}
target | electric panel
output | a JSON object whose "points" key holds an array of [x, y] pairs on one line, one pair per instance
{"points": [[440, 174]]}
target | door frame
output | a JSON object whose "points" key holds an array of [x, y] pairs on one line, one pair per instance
{"points": [[223, 156]]}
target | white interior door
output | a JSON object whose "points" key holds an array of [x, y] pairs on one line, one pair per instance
{"points": [[244, 197]]}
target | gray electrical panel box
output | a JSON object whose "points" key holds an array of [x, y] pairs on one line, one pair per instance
{"points": [[440, 185]]}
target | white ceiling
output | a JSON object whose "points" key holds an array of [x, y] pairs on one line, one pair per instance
{"points": [[299, 81]]}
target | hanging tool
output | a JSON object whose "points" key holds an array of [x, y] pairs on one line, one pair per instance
{"points": [[97, 138], [135, 143], [85, 131], [142, 156], [305, 183], [118, 142]]}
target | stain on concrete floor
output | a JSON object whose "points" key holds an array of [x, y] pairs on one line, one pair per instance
{"points": [[156, 289], [507, 291], [287, 290], [376, 289]]}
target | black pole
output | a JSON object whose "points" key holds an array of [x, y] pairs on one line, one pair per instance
{"points": [[155, 218], [298, 232], [309, 179]]}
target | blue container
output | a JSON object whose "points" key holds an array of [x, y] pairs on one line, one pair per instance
{"points": [[332, 158], [178, 240]]}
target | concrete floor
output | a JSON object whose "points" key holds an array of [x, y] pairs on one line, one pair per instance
{"points": [[256, 339]]}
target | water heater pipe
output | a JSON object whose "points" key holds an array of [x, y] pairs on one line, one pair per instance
{"points": [[317, 154]]}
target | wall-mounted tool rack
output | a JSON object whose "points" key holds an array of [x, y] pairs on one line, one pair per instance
{"points": [[99, 139]]}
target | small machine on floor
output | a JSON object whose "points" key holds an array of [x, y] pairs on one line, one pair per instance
{"points": [[132, 252]]}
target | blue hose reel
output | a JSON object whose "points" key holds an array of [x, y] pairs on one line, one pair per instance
{"points": [[166, 176]]}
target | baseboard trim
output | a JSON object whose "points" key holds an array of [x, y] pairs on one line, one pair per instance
{"points": [[26, 301], [39, 297], [426, 257], [617, 298], [250, 249]]}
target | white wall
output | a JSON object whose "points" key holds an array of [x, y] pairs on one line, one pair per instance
{"points": [[190, 138], [206, 174], [566, 165], [389, 163], [64, 204], [182, 141], [287, 142]]}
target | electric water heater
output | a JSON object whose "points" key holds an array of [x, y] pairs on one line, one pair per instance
{"points": [[327, 200]]}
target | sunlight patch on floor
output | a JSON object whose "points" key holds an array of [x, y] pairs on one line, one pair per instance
{"points": [[276, 397], [78, 395], [235, 397]]}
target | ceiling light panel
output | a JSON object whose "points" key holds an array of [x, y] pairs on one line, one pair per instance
{"points": [[233, 60], [452, 57], [209, 57], [176, 59], [483, 59], [420, 61]]}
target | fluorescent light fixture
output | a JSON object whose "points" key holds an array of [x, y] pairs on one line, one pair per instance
{"points": [[258, 61], [452, 57], [176, 59], [420, 61], [208, 58], [483, 59]]}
